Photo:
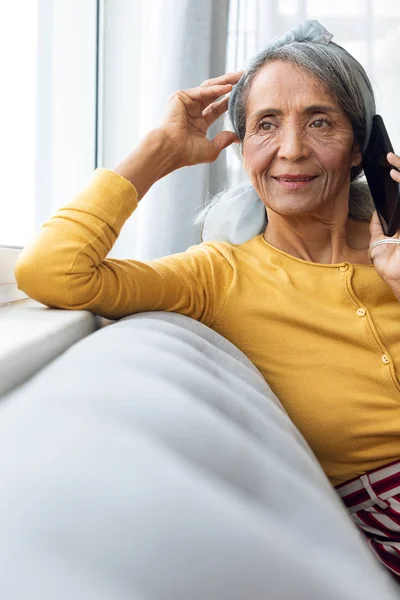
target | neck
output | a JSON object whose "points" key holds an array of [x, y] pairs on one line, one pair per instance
{"points": [[325, 241]]}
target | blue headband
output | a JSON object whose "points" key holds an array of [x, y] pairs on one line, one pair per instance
{"points": [[313, 31]]}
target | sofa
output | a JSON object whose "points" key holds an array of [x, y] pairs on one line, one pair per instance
{"points": [[151, 461]]}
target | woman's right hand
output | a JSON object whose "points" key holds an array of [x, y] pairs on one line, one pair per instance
{"points": [[190, 113]]}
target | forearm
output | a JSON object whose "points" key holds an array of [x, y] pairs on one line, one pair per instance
{"points": [[151, 160]]}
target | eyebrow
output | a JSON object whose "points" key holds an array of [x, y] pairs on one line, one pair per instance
{"points": [[308, 110]]}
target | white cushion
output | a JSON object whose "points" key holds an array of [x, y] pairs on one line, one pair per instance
{"points": [[152, 461]]}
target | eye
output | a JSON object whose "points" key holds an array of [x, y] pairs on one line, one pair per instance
{"points": [[263, 125], [266, 125], [321, 121]]}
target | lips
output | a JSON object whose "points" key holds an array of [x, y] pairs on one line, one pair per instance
{"points": [[295, 177], [294, 183]]}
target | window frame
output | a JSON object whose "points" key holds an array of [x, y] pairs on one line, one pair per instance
{"points": [[9, 291], [56, 148]]}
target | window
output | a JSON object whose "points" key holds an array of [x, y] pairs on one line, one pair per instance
{"points": [[48, 115]]}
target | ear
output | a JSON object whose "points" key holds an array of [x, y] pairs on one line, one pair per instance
{"points": [[357, 157]]}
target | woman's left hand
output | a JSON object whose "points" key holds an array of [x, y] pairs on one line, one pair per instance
{"points": [[386, 257]]}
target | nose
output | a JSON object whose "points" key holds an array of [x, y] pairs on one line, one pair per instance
{"points": [[292, 145]]}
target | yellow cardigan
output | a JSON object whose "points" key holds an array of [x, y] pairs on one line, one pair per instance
{"points": [[326, 337]]}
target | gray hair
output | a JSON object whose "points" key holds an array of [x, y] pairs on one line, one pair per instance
{"points": [[237, 214]]}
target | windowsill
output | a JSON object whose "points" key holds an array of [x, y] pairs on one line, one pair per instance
{"points": [[10, 293], [32, 335]]}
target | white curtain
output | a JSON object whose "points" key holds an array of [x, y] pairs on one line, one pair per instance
{"points": [[178, 44]]}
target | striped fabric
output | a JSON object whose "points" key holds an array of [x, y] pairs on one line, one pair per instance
{"points": [[373, 501]]}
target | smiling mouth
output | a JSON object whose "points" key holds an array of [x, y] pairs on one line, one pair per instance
{"points": [[293, 180], [294, 184]]}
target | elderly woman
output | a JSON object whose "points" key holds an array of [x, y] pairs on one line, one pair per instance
{"points": [[284, 270]]}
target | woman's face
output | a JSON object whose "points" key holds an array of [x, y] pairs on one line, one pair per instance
{"points": [[293, 126]]}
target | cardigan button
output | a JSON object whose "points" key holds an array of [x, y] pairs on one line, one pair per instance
{"points": [[361, 312], [385, 359]]}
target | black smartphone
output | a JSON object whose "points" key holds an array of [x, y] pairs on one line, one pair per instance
{"points": [[385, 191]]}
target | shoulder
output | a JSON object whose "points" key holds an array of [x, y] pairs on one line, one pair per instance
{"points": [[232, 254], [213, 249]]}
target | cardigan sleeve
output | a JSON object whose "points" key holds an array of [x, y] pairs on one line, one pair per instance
{"points": [[65, 265]]}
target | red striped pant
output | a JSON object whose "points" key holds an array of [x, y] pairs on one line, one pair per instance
{"points": [[373, 501]]}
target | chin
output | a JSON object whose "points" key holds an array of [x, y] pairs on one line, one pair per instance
{"points": [[292, 206]]}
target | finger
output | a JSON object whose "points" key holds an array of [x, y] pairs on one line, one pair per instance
{"points": [[375, 228], [215, 110], [227, 78], [232, 78], [393, 159], [395, 175], [206, 95], [224, 139]]}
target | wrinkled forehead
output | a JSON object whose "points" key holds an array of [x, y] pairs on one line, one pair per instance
{"points": [[286, 88]]}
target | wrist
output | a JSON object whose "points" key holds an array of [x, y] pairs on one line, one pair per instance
{"points": [[395, 287], [158, 146], [154, 158], [393, 284]]}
